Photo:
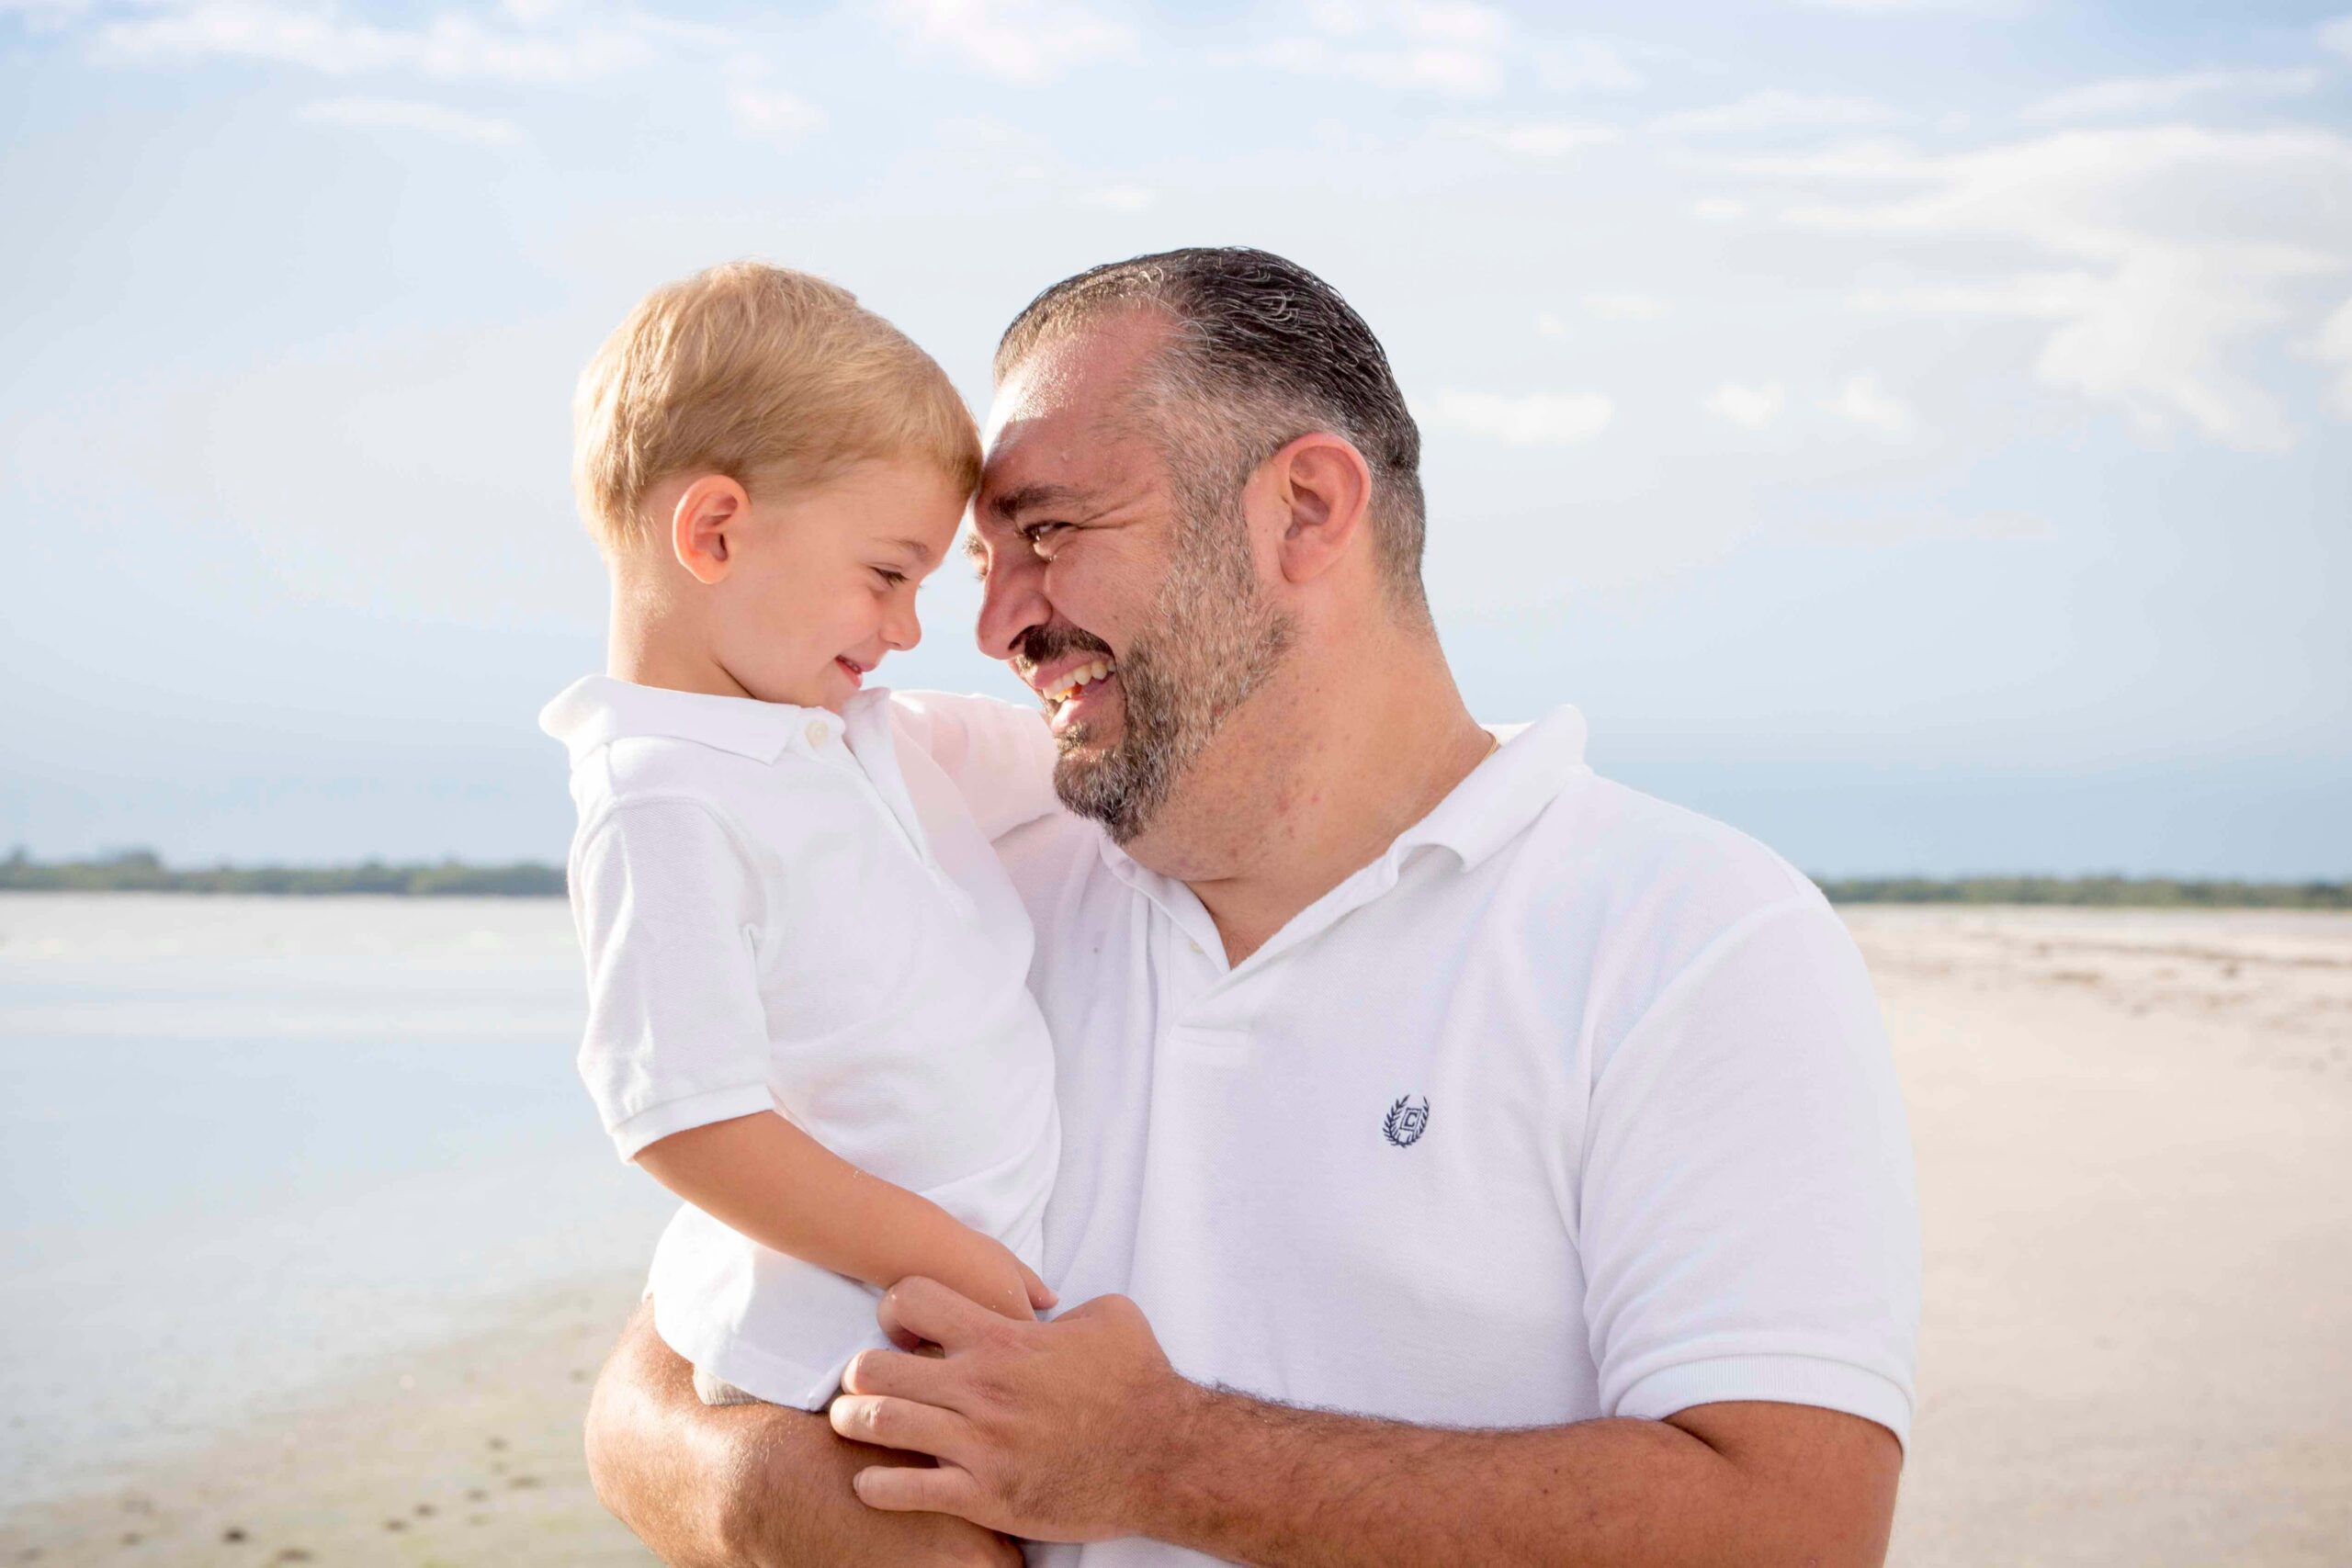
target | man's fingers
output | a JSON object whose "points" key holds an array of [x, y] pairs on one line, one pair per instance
{"points": [[1102, 1307], [903, 1489], [916, 1310], [902, 1375], [904, 1424]]}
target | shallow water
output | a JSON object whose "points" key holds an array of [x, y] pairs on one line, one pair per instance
{"points": [[248, 1143]]}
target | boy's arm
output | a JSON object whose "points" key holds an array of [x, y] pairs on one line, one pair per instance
{"points": [[765, 1178]]}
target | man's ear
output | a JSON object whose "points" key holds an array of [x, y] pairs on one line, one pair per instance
{"points": [[1324, 491], [708, 509]]}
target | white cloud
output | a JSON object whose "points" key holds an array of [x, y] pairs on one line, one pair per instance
{"points": [[2158, 94], [1016, 40], [2337, 34], [1719, 209], [1864, 402], [451, 46], [1775, 109], [400, 114], [1549, 324], [2052, 296], [1543, 419], [1587, 65], [1441, 45], [1750, 408], [1121, 199], [2334, 346], [42, 15], [1933, 527], [779, 117], [1915, 7], [1625, 307], [2178, 246], [1458, 21], [1460, 71], [1537, 139]]}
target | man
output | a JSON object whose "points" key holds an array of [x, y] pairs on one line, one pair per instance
{"points": [[1493, 1164]]}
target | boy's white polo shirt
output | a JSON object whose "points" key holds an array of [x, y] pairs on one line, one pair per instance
{"points": [[1572, 1104], [786, 910]]}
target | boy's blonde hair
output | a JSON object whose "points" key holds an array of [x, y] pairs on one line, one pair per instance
{"points": [[770, 377]]}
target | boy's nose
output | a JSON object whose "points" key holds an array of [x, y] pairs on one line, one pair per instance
{"points": [[902, 630]]}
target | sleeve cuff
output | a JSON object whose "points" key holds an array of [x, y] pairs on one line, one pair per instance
{"points": [[655, 1122], [1775, 1379]]}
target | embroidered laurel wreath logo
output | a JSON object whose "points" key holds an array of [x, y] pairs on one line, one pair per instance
{"points": [[1407, 1121]]}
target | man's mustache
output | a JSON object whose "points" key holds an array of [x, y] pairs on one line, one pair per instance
{"points": [[1042, 645]]}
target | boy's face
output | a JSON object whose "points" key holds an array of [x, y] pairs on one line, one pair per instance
{"points": [[823, 582]]}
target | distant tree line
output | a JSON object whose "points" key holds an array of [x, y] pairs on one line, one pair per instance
{"points": [[2095, 892], [143, 871]]}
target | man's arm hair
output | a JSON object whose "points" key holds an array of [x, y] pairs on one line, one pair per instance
{"points": [[1741, 1486], [747, 1486]]}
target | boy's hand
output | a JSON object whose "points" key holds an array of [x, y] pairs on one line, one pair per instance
{"points": [[985, 1270]]}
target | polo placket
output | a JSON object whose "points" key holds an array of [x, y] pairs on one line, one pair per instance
{"points": [[865, 739]]}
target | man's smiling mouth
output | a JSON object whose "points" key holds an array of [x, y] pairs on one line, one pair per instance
{"points": [[1075, 690], [1073, 680]]}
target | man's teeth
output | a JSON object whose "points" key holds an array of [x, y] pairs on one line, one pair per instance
{"points": [[1083, 675]]}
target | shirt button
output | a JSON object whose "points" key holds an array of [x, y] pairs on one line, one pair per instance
{"points": [[1196, 947], [818, 733]]}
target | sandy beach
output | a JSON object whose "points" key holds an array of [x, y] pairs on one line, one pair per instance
{"points": [[2133, 1134]]}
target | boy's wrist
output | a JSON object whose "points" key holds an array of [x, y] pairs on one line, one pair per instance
{"points": [[937, 1243]]}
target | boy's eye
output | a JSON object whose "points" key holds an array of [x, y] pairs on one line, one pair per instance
{"points": [[890, 578]]}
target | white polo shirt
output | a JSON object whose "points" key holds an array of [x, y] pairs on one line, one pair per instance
{"points": [[786, 910], [1572, 1104]]}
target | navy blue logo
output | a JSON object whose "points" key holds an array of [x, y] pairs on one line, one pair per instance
{"points": [[1407, 1121]]}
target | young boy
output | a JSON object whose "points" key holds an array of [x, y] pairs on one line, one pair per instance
{"points": [[807, 1014]]}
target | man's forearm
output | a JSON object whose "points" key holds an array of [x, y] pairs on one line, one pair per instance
{"points": [[746, 1486], [1271, 1485]]}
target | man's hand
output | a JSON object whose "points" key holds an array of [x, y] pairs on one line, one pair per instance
{"points": [[1045, 1431], [748, 1486]]}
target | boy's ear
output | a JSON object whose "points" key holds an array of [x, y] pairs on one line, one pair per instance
{"points": [[706, 512]]}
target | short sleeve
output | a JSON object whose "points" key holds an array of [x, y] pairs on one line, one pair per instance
{"points": [[999, 755], [1747, 1209], [669, 912]]}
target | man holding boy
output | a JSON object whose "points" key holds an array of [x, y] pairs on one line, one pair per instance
{"points": [[1403, 1071]]}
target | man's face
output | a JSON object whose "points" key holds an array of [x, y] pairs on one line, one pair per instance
{"points": [[1132, 606]]}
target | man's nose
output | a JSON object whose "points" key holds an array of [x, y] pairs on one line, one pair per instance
{"points": [[1013, 599]]}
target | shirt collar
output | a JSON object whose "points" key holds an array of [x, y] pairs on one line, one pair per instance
{"points": [[1486, 810], [1506, 792], [596, 710]]}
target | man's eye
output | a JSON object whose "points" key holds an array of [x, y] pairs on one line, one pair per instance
{"points": [[1036, 534]]}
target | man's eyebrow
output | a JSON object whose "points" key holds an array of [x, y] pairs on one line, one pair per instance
{"points": [[1030, 497]]}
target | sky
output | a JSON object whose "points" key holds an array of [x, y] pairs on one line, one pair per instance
{"points": [[1916, 432]]}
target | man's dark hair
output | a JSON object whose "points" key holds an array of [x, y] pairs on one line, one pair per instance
{"points": [[1262, 352]]}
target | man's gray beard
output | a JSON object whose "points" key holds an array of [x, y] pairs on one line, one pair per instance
{"points": [[1213, 642]]}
